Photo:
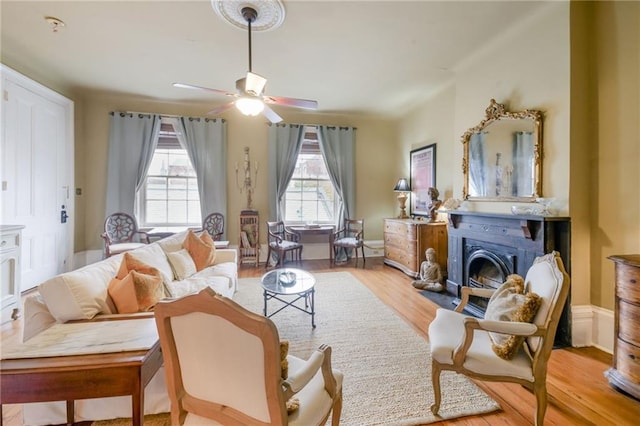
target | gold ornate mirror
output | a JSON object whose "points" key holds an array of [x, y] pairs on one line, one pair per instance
{"points": [[503, 156]]}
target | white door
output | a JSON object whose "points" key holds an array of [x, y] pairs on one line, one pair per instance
{"points": [[37, 175]]}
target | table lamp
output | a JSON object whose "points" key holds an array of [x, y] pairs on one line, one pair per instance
{"points": [[402, 187]]}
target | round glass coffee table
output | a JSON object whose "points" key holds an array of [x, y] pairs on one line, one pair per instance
{"points": [[290, 283]]}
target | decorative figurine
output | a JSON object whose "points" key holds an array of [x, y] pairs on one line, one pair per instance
{"points": [[247, 185], [430, 273], [434, 203]]}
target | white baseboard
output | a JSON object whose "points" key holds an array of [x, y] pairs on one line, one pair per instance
{"points": [[592, 326]]}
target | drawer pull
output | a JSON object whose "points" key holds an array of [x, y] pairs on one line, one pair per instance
{"points": [[633, 280], [632, 356], [3, 243]]}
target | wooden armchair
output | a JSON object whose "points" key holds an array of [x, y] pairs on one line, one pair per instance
{"points": [[222, 366], [282, 241], [349, 237], [462, 344], [121, 234]]}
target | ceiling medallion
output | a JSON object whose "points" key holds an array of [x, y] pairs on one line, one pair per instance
{"points": [[270, 13]]}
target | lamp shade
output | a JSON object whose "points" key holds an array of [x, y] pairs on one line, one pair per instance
{"points": [[402, 186]]}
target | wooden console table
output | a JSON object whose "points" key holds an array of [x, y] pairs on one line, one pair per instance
{"points": [[328, 230], [406, 240]]}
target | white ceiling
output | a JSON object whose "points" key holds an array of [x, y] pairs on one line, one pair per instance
{"points": [[370, 57]]}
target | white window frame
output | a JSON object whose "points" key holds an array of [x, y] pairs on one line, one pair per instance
{"points": [[311, 138], [142, 194]]}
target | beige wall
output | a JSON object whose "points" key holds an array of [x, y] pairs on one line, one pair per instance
{"points": [[615, 157], [429, 123], [376, 161]]}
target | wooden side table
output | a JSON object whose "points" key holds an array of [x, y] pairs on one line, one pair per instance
{"points": [[625, 372]]}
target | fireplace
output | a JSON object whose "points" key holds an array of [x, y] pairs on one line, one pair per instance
{"points": [[485, 248]]}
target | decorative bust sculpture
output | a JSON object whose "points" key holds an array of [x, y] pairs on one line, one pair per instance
{"points": [[430, 273], [434, 203]]}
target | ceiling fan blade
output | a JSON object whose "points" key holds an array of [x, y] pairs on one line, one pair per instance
{"points": [[271, 115], [292, 102], [208, 89], [221, 109]]}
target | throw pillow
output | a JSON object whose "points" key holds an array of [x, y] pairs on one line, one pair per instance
{"points": [[136, 292], [293, 403], [182, 264], [284, 364], [511, 303], [201, 248], [130, 263]]}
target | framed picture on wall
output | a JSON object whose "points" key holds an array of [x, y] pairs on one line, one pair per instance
{"points": [[423, 177]]}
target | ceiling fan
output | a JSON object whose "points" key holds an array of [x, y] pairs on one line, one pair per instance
{"points": [[250, 99]]}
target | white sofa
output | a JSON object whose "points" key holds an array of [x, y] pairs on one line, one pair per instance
{"points": [[82, 295]]}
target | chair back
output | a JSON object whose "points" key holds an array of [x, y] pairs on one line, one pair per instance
{"points": [[120, 227], [276, 231], [354, 228], [214, 225], [547, 278], [222, 361]]}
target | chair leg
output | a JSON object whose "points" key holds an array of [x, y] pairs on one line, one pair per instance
{"points": [[336, 411], [435, 379], [540, 390], [266, 263]]}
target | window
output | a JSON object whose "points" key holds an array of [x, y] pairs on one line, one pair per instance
{"points": [[310, 197], [169, 196]]}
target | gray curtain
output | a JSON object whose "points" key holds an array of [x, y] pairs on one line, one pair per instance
{"points": [[205, 141], [285, 141], [337, 145], [523, 164], [477, 165], [132, 142]]}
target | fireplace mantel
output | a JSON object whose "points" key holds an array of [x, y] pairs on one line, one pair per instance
{"points": [[512, 241]]}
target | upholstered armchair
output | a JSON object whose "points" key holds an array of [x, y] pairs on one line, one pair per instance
{"points": [[282, 241], [465, 344], [121, 234], [349, 237], [214, 225], [223, 366]]}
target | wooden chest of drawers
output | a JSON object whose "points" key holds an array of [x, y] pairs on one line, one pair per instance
{"points": [[625, 372], [405, 241]]}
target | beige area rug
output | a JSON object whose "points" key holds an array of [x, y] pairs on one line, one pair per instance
{"points": [[386, 364]]}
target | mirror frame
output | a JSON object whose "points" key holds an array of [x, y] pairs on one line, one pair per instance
{"points": [[493, 113]]}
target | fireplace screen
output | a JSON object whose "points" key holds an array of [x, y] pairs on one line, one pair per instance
{"points": [[485, 270]]}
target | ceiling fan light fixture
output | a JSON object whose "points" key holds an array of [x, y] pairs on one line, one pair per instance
{"points": [[254, 84], [250, 105]]}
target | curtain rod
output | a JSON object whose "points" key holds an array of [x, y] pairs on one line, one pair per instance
{"points": [[154, 113], [222, 120], [312, 125]]}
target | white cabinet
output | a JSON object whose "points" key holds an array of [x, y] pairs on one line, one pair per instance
{"points": [[10, 247]]}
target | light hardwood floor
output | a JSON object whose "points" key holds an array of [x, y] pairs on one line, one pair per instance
{"points": [[578, 391]]}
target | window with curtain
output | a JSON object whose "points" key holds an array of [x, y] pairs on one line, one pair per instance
{"points": [[310, 196], [169, 196]]}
